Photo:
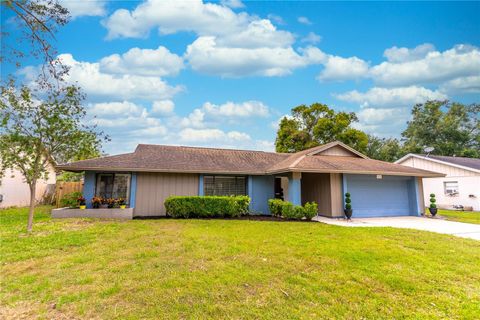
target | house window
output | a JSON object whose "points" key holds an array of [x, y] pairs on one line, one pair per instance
{"points": [[451, 188], [113, 185], [224, 185]]}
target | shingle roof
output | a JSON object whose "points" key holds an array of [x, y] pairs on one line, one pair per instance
{"points": [[461, 161], [161, 158]]}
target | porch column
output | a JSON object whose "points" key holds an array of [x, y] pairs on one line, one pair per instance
{"points": [[295, 188], [133, 190], [89, 187]]}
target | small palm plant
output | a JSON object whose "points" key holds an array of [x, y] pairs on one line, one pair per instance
{"points": [[433, 206], [348, 206]]}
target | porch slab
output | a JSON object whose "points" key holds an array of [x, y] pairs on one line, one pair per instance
{"points": [[113, 213], [459, 229]]}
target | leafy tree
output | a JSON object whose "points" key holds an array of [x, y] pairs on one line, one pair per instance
{"points": [[453, 129], [317, 124], [37, 21], [385, 149], [36, 133]]}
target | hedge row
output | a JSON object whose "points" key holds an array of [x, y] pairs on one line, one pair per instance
{"points": [[287, 210], [206, 206]]}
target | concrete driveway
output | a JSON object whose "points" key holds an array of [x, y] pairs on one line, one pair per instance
{"points": [[459, 229]]}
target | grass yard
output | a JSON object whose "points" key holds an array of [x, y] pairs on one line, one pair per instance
{"points": [[461, 216], [198, 269]]}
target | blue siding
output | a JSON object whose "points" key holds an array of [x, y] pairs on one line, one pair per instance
{"points": [[133, 190], [260, 189], [200, 185], [295, 191], [89, 187], [389, 196]]}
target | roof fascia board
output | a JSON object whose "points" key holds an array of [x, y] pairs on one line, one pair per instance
{"points": [[410, 155]]}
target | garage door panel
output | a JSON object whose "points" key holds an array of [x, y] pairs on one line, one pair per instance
{"points": [[372, 197]]}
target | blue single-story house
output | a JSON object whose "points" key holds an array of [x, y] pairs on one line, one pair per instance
{"points": [[147, 176]]}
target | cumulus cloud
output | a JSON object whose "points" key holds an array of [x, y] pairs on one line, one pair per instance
{"points": [[212, 135], [237, 110], [78, 8], [124, 86], [235, 4], [116, 109], [163, 107], [173, 16], [338, 69], [434, 67], [312, 38], [386, 122], [388, 97], [206, 56], [304, 20], [462, 85], [145, 62], [403, 54]]}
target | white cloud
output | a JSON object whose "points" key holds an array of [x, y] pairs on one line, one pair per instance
{"points": [[115, 109], [435, 67], [338, 69], [206, 56], [237, 110], [403, 54], [78, 8], [145, 62], [391, 97], [123, 87], [173, 16], [163, 107], [462, 85], [276, 18], [386, 122], [212, 135], [304, 20], [312, 37], [194, 119], [235, 4]]}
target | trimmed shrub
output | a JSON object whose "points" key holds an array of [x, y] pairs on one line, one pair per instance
{"points": [[348, 201], [310, 210], [288, 210], [433, 201], [275, 206], [70, 199], [206, 206]]}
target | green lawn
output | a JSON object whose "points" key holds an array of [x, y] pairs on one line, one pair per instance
{"points": [[461, 216], [231, 269]]}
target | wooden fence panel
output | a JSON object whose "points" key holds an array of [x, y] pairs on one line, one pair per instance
{"points": [[65, 187]]}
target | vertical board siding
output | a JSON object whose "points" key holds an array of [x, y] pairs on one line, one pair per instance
{"points": [[337, 151], [316, 187], [154, 188], [336, 194]]}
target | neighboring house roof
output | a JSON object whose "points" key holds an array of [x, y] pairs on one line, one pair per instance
{"points": [[472, 164], [161, 158]]}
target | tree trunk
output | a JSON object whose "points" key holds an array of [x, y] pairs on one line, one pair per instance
{"points": [[33, 188]]}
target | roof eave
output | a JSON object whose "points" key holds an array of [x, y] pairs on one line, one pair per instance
{"points": [[410, 155]]}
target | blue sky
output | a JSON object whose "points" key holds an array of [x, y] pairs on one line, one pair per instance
{"points": [[223, 73]]}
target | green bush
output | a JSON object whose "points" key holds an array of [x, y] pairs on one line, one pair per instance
{"points": [[288, 210], [310, 210], [275, 206], [348, 201], [206, 206], [70, 199], [285, 209], [433, 201]]}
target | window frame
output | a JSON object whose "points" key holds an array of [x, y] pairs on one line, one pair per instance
{"points": [[129, 186], [454, 191], [236, 177]]}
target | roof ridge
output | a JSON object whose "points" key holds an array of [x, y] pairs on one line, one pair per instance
{"points": [[208, 148]]}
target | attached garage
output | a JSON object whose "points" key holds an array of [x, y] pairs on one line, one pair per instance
{"points": [[381, 196]]}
